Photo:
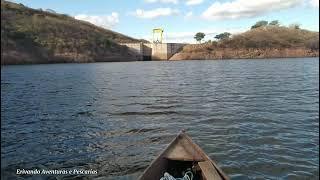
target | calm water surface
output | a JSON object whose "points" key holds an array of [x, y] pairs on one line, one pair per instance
{"points": [[258, 119]]}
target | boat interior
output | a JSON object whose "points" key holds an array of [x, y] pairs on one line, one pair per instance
{"points": [[179, 168], [182, 156]]}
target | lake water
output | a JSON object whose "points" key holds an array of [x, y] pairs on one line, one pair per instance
{"points": [[258, 119]]}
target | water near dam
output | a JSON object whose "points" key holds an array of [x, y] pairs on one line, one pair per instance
{"points": [[259, 119]]}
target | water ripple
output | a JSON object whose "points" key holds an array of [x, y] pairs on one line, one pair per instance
{"points": [[257, 119]]}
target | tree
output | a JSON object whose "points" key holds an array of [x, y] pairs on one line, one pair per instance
{"points": [[259, 24], [274, 23], [294, 26], [199, 36], [222, 36]]}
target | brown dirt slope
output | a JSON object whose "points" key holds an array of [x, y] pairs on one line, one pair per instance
{"points": [[36, 36], [263, 42]]}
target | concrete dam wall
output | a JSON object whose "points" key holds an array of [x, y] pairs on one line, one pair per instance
{"points": [[154, 51]]}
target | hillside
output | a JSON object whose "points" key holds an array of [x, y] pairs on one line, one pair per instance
{"points": [[36, 36], [263, 42]]}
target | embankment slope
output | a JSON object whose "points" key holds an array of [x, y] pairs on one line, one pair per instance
{"points": [[263, 42]]}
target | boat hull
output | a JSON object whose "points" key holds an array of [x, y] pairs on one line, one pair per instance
{"points": [[182, 154]]}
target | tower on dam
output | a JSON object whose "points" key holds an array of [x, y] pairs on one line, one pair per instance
{"points": [[157, 35]]}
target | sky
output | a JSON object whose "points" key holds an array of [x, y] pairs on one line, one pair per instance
{"points": [[182, 19]]}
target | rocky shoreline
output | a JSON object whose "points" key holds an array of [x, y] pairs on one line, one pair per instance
{"points": [[230, 53]]}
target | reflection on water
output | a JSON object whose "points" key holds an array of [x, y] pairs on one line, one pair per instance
{"points": [[256, 118]]}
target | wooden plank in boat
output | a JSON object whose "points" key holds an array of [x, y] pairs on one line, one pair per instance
{"points": [[209, 172]]}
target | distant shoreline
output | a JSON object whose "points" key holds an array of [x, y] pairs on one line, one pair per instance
{"points": [[272, 58], [267, 58], [33, 36]]}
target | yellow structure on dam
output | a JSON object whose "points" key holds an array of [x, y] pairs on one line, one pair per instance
{"points": [[157, 35]]}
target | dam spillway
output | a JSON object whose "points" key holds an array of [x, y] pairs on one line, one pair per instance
{"points": [[154, 51]]}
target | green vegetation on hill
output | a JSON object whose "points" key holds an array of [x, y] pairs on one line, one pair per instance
{"points": [[222, 36], [199, 36], [36, 36]]}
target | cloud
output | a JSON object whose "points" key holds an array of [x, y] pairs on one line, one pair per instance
{"points": [[189, 15], [314, 3], [162, 1], [106, 21], [187, 2], [151, 14], [193, 2], [243, 8]]}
